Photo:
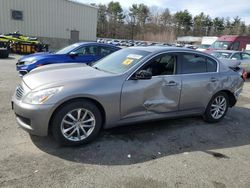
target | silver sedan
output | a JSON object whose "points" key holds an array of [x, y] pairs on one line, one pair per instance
{"points": [[243, 57], [74, 101]]}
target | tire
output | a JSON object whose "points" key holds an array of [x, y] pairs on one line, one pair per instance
{"points": [[210, 113], [63, 121], [4, 54]]}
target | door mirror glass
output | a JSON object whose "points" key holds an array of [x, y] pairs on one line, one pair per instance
{"points": [[73, 54], [143, 75]]}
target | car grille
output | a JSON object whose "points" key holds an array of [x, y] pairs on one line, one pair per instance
{"points": [[19, 92]]}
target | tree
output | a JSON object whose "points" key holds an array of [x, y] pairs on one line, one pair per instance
{"points": [[166, 18], [116, 17], [183, 21], [156, 24], [202, 24], [243, 28], [140, 13], [218, 25], [236, 23], [143, 14], [102, 20]]}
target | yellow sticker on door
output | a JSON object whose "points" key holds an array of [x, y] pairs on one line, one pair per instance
{"points": [[127, 61]]}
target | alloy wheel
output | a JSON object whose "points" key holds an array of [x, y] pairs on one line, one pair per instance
{"points": [[218, 107], [78, 124]]}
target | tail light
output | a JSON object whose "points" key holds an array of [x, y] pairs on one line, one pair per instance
{"points": [[244, 74]]}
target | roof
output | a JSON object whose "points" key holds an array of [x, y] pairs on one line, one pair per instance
{"points": [[160, 48], [80, 3], [97, 43]]}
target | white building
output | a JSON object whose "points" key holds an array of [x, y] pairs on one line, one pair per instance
{"points": [[57, 22], [189, 40]]}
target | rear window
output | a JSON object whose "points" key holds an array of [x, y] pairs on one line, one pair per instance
{"points": [[192, 63]]}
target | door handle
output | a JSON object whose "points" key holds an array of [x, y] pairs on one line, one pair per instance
{"points": [[213, 79], [171, 83]]}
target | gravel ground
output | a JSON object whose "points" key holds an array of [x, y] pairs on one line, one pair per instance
{"points": [[185, 152]]}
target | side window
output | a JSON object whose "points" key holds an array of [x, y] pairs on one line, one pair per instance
{"points": [[80, 51], [235, 46], [104, 51], [164, 64], [92, 50], [211, 65], [87, 50], [245, 56], [236, 56], [192, 63]]}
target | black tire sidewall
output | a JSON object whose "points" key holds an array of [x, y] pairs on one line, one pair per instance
{"points": [[207, 115], [56, 122]]}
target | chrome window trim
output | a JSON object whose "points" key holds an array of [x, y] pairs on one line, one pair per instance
{"points": [[177, 51]]}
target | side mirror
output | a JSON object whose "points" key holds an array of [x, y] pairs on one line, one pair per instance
{"points": [[234, 58], [143, 75], [73, 54]]}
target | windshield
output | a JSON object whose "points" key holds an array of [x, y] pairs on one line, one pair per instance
{"points": [[120, 61], [223, 45], [221, 54], [67, 49], [204, 46]]}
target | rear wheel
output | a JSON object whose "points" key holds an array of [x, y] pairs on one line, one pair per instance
{"points": [[77, 123], [217, 108]]}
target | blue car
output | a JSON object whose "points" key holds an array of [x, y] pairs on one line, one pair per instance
{"points": [[83, 52]]}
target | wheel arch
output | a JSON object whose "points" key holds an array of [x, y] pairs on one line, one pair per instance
{"points": [[98, 104], [231, 97]]}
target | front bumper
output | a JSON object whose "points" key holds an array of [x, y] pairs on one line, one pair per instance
{"points": [[32, 118]]}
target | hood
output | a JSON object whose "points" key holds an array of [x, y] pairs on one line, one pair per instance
{"points": [[38, 56], [61, 73]]}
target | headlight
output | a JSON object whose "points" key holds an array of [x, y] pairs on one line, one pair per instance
{"points": [[40, 97], [29, 62]]}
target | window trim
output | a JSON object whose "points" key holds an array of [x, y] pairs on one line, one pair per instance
{"points": [[84, 46], [150, 58], [176, 55], [204, 56], [179, 63]]}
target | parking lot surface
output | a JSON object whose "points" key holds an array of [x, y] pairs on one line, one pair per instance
{"points": [[185, 152]]}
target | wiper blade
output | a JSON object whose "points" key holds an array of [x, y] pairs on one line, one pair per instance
{"points": [[102, 70], [96, 68]]}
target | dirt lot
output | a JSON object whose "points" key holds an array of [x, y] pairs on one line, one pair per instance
{"points": [[173, 153]]}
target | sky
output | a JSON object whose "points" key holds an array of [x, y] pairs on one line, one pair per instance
{"points": [[220, 8]]}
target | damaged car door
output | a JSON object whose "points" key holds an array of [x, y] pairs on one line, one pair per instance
{"points": [[157, 94]]}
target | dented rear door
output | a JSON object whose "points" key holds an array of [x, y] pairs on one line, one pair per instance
{"points": [[160, 94]]}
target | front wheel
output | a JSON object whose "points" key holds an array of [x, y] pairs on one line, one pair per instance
{"points": [[77, 123], [217, 108]]}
